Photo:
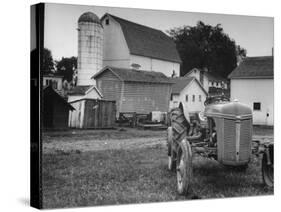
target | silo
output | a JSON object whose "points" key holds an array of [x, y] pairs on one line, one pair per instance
{"points": [[90, 49]]}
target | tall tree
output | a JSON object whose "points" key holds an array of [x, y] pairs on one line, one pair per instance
{"points": [[66, 67], [206, 46], [48, 62]]}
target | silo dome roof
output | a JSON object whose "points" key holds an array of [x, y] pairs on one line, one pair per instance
{"points": [[89, 17]]}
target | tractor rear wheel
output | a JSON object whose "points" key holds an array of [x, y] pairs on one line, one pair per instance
{"points": [[179, 124], [267, 171], [184, 167]]}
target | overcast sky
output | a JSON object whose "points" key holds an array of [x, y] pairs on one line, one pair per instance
{"points": [[255, 34]]}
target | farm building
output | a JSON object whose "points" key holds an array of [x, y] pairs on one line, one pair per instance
{"points": [[55, 109], [131, 45], [209, 81], [134, 90], [92, 113], [252, 83], [188, 90], [84, 91]]}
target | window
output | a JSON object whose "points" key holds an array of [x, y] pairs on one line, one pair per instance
{"points": [[193, 98], [217, 84], [186, 98], [257, 106], [107, 22], [200, 100], [213, 83], [171, 97]]}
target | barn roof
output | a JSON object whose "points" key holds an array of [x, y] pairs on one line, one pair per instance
{"points": [[50, 93], [146, 41], [254, 67], [181, 82], [132, 75]]}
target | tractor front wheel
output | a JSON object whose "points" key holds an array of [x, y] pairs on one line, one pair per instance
{"points": [[267, 171], [184, 167], [171, 153]]}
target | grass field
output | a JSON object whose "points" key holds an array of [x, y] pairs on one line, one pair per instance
{"points": [[86, 168]]}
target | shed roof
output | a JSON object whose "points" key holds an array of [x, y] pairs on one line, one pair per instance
{"points": [[82, 90], [48, 91], [254, 67], [146, 41], [132, 75], [181, 82]]}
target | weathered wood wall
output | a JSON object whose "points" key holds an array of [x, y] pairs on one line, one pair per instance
{"points": [[93, 113], [139, 97], [145, 97], [110, 87]]}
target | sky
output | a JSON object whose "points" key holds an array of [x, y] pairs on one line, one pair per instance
{"points": [[253, 33]]}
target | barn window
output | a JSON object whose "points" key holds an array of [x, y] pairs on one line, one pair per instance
{"points": [[257, 106], [193, 98], [107, 22], [200, 98], [186, 98]]}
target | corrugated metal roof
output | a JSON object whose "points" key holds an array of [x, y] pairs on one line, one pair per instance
{"points": [[132, 75], [148, 42], [254, 67]]}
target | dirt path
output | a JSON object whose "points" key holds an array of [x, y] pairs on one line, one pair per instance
{"points": [[97, 145], [88, 142]]}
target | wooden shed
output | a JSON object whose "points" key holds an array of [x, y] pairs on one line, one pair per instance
{"points": [[55, 109], [92, 113], [133, 90]]}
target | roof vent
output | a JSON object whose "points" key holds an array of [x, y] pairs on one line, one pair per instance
{"points": [[135, 66]]}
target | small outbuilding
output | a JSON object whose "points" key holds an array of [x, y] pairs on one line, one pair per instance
{"points": [[133, 90], [188, 90], [55, 109], [92, 114]]}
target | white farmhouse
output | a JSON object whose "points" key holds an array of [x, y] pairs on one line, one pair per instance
{"points": [[189, 91], [131, 45], [207, 79], [252, 83]]}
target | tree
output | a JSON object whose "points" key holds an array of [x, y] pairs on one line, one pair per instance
{"points": [[66, 67], [48, 62], [206, 46]]}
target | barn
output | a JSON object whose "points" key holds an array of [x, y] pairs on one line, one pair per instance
{"points": [[130, 45], [252, 83], [55, 109], [134, 90]]}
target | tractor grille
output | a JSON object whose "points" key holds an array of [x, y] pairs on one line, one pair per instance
{"points": [[230, 140], [245, 140]]}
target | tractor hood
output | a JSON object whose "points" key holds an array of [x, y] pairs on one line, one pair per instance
{"points": [[233, 109]]}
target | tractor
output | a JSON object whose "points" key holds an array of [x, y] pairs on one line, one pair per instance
{"points": [[222, 132]]}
